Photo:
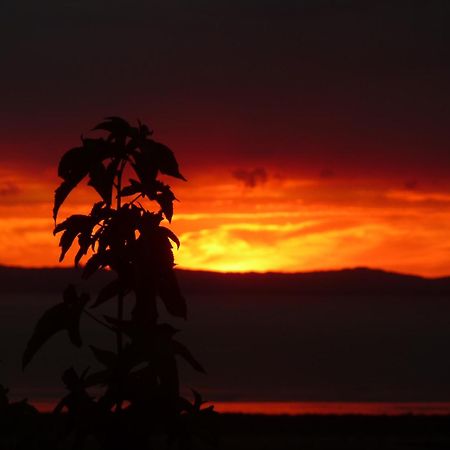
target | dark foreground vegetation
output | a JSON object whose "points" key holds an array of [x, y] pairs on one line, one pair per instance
{"points": [[256, 432], [133, 394], [334, 432]]}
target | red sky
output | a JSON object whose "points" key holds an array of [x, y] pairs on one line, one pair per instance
{"points": [[314, 134]]}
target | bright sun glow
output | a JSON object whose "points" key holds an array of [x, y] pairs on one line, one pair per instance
{"points": [[289, 225]]}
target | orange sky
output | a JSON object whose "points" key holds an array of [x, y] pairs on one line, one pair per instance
{"points": [[257, 220], [314, 134]]}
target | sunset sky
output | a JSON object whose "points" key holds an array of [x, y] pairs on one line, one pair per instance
{"points": [[313, 134]]}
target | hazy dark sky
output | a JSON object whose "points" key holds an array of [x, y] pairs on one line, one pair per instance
{"points": [[361, 85]]}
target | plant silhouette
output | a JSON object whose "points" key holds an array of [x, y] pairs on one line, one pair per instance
{"points": [[140, 395]]}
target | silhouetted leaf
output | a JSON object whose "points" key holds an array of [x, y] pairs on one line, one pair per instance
{"points": [[119, 234], [101, 178], [181, 350], [143, 130], [72, 227], [155, 249], [73, 164], [198, 400], [125, 326], [145, 166], [155, 190], [115, 125], [163, 157], [111, 290], [76, 222], [64, 316], [185, 405], [166, 203], [99, 211], [170, 294], [87, 237], [76, 164], [153, 269], [95, 262], [105, 357], [99, 149], [98, 378], [170, 234], [73, 167], [84, 242], [66, 241], [83, 413], [134, 188], [71, 380], [61, 194], [150, 221]]}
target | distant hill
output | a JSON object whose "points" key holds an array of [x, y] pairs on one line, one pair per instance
{"points": [[346, 281]]}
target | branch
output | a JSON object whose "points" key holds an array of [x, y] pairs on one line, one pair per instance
{"points": [[99, 321]]}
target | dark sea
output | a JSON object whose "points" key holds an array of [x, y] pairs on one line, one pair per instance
{"points": [[287, 355]]}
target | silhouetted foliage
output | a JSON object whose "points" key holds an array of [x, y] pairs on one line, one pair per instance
{"points": [[20, 427], [140, 393]]}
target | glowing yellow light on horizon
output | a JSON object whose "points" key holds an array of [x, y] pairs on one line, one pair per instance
{"points": [[262, 229]]}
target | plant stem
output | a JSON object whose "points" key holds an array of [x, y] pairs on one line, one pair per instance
{"points": [[135, 198], [121, 295], [99, 321]]}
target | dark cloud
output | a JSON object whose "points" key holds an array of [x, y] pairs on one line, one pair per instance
{"points": [[8, 188], [361, 85], [411, 184], [251, 178]]}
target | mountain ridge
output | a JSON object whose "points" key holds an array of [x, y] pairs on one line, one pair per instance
{"points": [[344, 281]]}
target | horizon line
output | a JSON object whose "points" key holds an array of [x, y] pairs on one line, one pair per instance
{"points": [[251, 272]]}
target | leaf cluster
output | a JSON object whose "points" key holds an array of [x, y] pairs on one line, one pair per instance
{"points": [[103, 160], [127, 238]]}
